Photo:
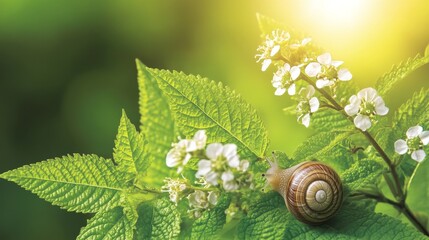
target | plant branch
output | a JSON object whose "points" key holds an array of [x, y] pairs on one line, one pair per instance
{"points": [[403, 208], [402, 197]]}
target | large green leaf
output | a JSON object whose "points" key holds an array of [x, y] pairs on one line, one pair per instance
{"points": [[158, 219], [81, 183], [130, 153], [399, 72], [111, 224], [198, 103], [362, 173], [318, 145], [157, 125], [269, 219]]}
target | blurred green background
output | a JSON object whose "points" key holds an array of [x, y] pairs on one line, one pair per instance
{"points": [[67, 69]]}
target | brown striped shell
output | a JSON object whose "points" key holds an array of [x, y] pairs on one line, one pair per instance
{"points": [[312, 191]]}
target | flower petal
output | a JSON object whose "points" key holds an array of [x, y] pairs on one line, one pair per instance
{"points": [[229, 150], [306, 120], [380, 107], [305, 41], [344, 75], [324, 83], [211, 178], [292, 89], [368, 94], [280, 91], [275, 50], [285, 68], [227, 176], [294, 72], [418, 155], [414, 131], [204, 166], [213, 150], [362, 122], [234, 161], [212, 197], [173, 158], [314, 104], [353, 108], [325, 59], [244, 165], [309, 91], [265, 64], [200, 139], [424, 136], [401, 146], [313, 69], [337, 63]]}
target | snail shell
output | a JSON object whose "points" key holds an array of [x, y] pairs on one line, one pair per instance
{"points": [[312, 191]]}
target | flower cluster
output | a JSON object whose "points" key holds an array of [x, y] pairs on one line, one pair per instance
{"points": [[416, 139], [293, 58], [219, 166], [224, 167], [182, 151], [365, 106]]}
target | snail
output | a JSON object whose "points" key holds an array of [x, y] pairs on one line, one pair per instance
{"points": [[312, 191]]}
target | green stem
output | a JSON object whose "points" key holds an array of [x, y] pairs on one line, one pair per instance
{"points": [[402, 197], [411, 179], [403, 208]]}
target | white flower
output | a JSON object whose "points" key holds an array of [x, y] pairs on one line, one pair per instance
{"points": [[326, 71], [174, 187], [284, 79], [180, 154], [271, 47], [308, 105], [304, 42], [223, 167], [365, 105], [416, 139], [220, 156]]}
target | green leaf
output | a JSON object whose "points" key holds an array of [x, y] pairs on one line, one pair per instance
{"points": [[269, 219], [316, 146], [362, 173], [329, 120], [158, 219], [198, 103], [157, 125], [81, 183], [211, 221], [399, 72], [111, 224], [130, 153]]}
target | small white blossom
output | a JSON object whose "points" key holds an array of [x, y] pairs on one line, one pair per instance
{"points": [[365, 105], [326, 71], [307, 105], [180, 154], [416, 139], [174, 187], [271, 47], [222, 165], [284, 79]]}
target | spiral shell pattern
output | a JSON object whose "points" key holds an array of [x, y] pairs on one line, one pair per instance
{"points": [[313, 193]]}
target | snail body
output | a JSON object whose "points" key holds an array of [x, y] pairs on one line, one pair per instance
{"points": [[312, 191]]}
